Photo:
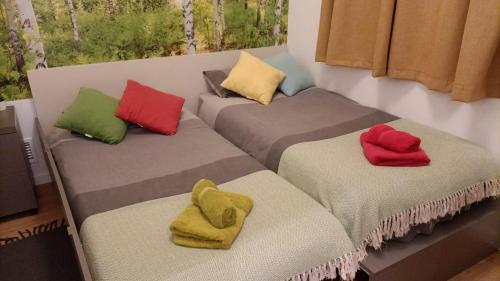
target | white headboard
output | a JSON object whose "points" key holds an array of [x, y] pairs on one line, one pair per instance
{"points": [[54, 89]]}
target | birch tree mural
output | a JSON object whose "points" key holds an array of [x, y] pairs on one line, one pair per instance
{"points": [[50, 33], [277, 25], [218, 39], [31, 33], [222, 16], [12, 34], [187, 8], [74, 23], [257, 21], [110, 7]]}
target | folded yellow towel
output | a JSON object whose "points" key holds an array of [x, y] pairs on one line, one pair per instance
{"points": [[217, 207], [199, 187], [192, 229], [242, 202]]}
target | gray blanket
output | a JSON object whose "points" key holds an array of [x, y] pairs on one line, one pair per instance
{"points": [[99, 177], [266, 131]]}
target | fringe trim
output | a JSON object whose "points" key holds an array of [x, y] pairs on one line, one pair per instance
{"points": [[399, 225], [346, 266]]}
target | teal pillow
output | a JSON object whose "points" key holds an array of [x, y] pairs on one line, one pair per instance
{"points": [[93, 114], [296, 80]]}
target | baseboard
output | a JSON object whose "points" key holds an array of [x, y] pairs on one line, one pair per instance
{"points": [[42, 178]]}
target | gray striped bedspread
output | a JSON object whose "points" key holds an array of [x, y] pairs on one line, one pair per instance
{"points": [[265, 132], [99, 177]]}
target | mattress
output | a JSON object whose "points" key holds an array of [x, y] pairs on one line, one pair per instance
{"points": [[99, 177], [287, 236]]}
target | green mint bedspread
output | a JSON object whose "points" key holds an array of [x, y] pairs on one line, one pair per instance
{"points": [[375, 203], [287, 236]]}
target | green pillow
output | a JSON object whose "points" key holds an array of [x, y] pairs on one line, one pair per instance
{"points": [[93, 114]]}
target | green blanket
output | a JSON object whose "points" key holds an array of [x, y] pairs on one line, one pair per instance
{"points": [[375, 203], [287, 236]]}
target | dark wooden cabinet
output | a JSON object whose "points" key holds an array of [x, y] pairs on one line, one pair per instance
{"points": [[16, 181]]}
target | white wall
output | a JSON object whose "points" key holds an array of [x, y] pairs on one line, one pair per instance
{"points": [[478, 122]]}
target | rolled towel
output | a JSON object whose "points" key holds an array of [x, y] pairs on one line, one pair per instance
{"points": [[375, 131], [241, 202], [215, 205], [199, 187], [192, 229], [399, 141]]}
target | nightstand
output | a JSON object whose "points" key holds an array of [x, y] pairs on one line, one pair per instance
{"points": [[17, 192]]}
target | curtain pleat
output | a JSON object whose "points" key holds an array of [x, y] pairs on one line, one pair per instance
{"points": [[478, 70], [426, 40], [325, 23], [448, 45], [383, 39], [355, 33]]}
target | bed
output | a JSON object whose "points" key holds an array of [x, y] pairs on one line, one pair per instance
{"points": [[265, 132], [288, 236], [123, 197], [312, 140], [144, 166]]}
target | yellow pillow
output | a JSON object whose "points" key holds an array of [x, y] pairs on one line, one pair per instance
{"points": [[254, 79]]}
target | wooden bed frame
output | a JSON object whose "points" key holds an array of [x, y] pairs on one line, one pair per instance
{"points": [[453, 246], [68, 215]]}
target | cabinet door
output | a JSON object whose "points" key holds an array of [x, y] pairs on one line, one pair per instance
{"points": [[16, 194], [11, 155]]}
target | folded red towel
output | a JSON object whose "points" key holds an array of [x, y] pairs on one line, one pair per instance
{"points": [[380, 156], [398, 141], [375, 131]]}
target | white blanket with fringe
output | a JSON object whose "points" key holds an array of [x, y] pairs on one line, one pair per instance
{"points": [[375, 203], [287, 236]]}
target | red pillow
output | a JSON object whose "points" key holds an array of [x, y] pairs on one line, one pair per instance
{"points": [[149, 108]]}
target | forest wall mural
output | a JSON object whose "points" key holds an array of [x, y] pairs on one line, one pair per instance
{"points": [[36, 34]]}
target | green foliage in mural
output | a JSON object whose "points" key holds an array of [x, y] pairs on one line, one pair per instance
{"points": [[90, 31], [13, 80]]}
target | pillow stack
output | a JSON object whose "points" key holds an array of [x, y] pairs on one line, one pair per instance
{"points": [[259, 79], [296, 80], [92, 114], [254, 79], [149, 108], [96, 115]]}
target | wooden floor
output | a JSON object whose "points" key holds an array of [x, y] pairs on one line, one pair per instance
{"points": [[485, 270], [50, 209]]}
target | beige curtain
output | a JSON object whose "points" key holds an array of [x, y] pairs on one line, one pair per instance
{"points": [[448, 45]]}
